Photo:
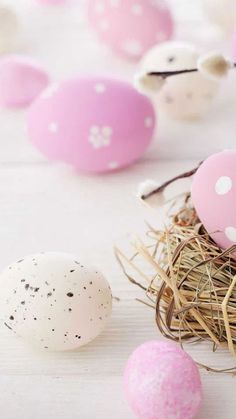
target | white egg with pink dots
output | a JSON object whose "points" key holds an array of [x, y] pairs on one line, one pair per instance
{"points": [[131, 27], [95, 124], [214, 197]]}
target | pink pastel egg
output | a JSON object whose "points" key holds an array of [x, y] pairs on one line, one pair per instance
{"points": [[161, 381], [131, 27], [95, 124], [214, 197], [21, 81]]}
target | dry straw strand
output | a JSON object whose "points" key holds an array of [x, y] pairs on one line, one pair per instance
{"points": [[189, 279]]}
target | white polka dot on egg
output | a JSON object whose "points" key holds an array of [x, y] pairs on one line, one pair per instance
{"points": [[230, 233], [223, 185], [53, 127], [100, 88]]}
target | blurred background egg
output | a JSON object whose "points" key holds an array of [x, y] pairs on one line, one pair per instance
{"points": [[54, 301], [221, 13], [185, 96], [214, 196], [95, 124], [162, 381], [9, 28], [21, 81], [131, 27]]}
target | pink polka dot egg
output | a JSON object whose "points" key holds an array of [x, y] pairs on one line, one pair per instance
{"points": [[131, 27], [94, 124], [214, 197], [161, 381]]}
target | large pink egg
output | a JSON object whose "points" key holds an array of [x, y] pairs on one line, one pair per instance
{"points": [[131, 27], [21, 81], [161, 381], [214, 197], [95, 124]]}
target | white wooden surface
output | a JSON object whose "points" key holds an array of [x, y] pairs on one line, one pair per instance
{"points": [[45, 206]]}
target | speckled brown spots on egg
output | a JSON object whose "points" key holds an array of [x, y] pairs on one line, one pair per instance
{"points": [[73, 307]]}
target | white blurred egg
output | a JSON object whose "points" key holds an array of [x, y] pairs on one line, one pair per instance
{"points": [[54, 301], [184, 96], [9, 27], [221, 12]]}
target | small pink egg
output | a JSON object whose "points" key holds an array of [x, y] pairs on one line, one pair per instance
{"points": [[161, 381], [21, 81], [131, 27], [95, 124], [214, 196]]}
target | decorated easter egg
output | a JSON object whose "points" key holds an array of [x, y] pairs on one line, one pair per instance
{"points": [[21, 81], [131, 27], [9, 28], [182, 96], [54, 301], [162, 381], [214, 196], [95, 124], [221, 13]]}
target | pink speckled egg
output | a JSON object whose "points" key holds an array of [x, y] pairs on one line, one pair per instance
{"points": [[161, 381], [21, 81], [95, 124], [214, 196], [131, 27]]}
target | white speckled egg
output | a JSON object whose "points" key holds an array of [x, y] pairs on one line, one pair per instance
{"points": [[183, 96], [54, 301]]}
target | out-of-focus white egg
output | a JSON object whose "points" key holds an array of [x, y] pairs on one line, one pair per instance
{"points": [[183, 96], [221, 12], [9, 28], [54, 301]]}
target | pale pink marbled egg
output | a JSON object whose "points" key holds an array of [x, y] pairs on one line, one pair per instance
{"points": [[161, 381], [95, 124], [131, 27], [214, 196], [21, 81]]}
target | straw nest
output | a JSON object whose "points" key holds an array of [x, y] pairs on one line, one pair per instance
{"points": [[188, 280]]}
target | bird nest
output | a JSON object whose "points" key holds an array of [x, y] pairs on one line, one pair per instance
{"points": [[187, 278]]}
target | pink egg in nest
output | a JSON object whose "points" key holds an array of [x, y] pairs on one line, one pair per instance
{"points": [[161, 381], [21, 81], [95, 124], [131, 27], [214, 197]]}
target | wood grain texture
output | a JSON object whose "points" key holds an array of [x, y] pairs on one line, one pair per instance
{"points": [[47, 206]]}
